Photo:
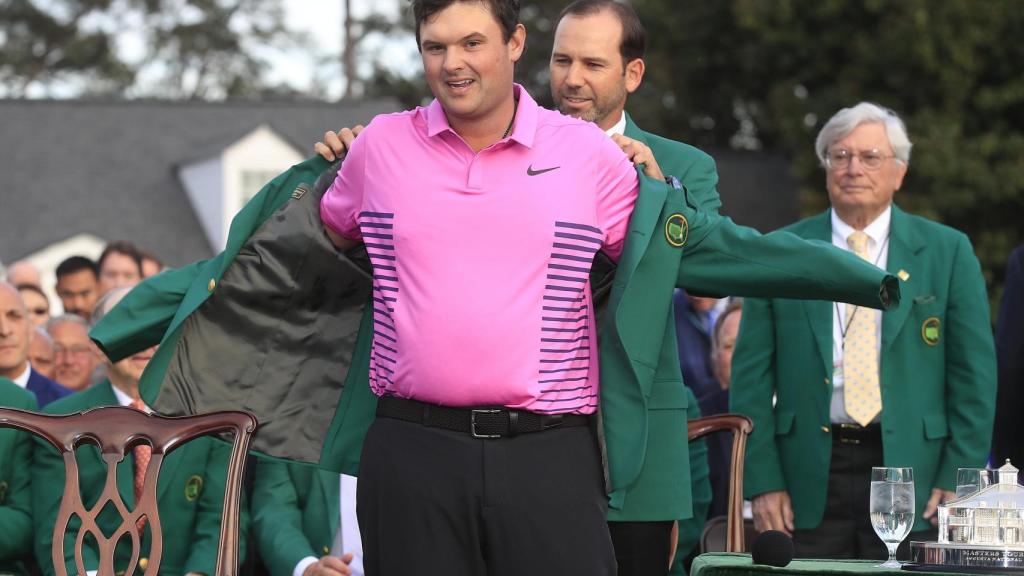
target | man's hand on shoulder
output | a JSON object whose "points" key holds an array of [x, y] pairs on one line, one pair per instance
{"points": [[330, 566], [773, 511], [336, 144], [640, 153]]}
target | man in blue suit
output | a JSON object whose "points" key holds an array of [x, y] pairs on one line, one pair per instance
{"points": [[15, 335], [1009, 430]]}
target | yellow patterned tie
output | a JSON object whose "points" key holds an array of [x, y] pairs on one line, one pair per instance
{"points": [[862, 397]]}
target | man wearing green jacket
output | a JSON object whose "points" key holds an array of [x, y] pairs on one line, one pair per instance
{"points": [[15, 477], [297, 514], [596, 62], [835, 389], [190, 489]]}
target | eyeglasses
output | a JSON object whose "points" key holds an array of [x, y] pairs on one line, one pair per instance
{"points": [[870, 159], [71, 350]]}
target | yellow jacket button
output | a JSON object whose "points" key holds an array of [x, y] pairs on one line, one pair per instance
{"points": [[143, 563], [824, 429], [211, 285], [826, 382], [327, 550]]}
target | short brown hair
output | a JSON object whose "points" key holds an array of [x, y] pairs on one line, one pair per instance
{"points": [[634, 35], [121, 247], [506, 12]]}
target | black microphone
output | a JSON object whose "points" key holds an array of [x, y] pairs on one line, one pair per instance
{"points": [[773, 548]]}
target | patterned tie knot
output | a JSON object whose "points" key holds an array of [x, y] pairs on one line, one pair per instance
{"points": [[138, 404], [858, 242]]}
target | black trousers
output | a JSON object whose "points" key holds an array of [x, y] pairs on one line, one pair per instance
{"points": [[845, 530], [431, 501], [641, 548]]}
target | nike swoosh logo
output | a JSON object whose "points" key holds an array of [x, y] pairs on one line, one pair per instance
{"points": [[531, 172]]}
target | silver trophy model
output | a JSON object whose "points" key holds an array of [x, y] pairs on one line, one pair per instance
{"points": [[980, 532]]}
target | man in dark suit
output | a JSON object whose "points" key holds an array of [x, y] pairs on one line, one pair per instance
{"points": [[695, 319], [835, 389], [1008, 440], [15, 337]]}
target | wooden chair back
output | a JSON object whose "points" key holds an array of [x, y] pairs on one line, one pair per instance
{"points": [[115, 430], [741, 427]]}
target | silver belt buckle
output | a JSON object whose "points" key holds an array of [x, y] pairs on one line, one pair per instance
{"points": [[472, 423]]}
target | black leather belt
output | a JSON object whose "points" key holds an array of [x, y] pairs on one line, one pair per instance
{"points": [[478, 422], [857, 434]]}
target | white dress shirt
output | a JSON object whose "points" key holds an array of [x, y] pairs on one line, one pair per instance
{"points": [[878, 253], [350, 538], [22, 379], [619, 127]]}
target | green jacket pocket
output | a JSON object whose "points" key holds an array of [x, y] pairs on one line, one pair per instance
{"points": [[935, 427]]}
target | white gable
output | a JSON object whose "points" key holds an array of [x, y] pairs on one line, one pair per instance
{"points": [[220, 185]]}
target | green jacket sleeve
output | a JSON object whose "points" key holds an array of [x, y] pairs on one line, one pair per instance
{"points": [[16, 500], [277, 519], [728, 259], [750, 394], [701, 182], [202, 557], [970, 368], [142, 317]]}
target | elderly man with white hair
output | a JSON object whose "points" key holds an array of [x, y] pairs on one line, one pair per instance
{"points": [[855, 388]]}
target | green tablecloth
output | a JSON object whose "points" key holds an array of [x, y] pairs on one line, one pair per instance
{"points": [[724, 564]]}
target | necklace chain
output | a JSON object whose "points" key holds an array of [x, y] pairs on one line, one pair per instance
{"points": [[515, 107]]}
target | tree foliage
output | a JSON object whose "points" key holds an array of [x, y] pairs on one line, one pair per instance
{"points": [[186, 48]]}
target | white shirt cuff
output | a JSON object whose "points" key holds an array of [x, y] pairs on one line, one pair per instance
{"points": [[303, 564]]}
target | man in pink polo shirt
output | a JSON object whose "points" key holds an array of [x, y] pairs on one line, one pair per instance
{"points": [[481, 215]]}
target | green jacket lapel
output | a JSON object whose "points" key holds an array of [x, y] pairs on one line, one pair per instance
{"points": [[819, 312], [645, 215], [904, 246]]}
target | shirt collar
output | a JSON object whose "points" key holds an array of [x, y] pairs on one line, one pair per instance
{"points": [[122, 398], [877, 230], [22, 379], [619, 127], [523, 131]]}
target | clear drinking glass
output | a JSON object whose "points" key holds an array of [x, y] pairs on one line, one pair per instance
{"points": [[971, 480], [892, 508]]}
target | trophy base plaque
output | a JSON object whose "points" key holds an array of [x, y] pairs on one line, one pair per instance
{"points": [[964, 558]]}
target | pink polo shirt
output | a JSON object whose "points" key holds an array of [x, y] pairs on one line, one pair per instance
{"points": [[481, 260]]}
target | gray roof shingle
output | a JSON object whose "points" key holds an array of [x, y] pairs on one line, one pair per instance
{"points": [[108, 167]]}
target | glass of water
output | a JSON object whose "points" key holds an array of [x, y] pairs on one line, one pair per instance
{"points": [[971, 480], [892, 508]]}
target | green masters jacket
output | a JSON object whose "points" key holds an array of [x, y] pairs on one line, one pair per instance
{"points": [[697, 173], [285, 337], [190, 493], [295, 511], [15, 476], [938, 375]]}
